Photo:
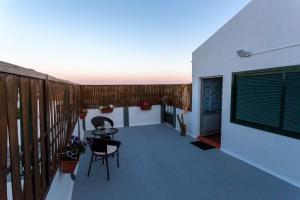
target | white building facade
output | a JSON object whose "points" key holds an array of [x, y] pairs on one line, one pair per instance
{"points": [[269, 29]]}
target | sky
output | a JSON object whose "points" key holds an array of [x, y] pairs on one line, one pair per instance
{"points": [[110, 41]]}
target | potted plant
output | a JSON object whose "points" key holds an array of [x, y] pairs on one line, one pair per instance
{"points": [[106, 109], [182, 125], [185, 106], [70, 155], [146, 105], [83, 113]]}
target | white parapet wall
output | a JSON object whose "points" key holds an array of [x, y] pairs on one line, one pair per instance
{"points": [[117, 116], [138, 117]]}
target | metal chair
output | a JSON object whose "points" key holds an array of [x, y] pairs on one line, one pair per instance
{"points": [[103, 149], [99, 122]]}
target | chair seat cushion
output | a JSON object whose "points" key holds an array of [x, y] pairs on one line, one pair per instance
{"points": [[110, 150]]}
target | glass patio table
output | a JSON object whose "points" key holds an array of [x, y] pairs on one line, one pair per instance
{"points": [[104, 132]]}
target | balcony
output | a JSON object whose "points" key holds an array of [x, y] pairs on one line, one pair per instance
{"points": [[40, 113]]}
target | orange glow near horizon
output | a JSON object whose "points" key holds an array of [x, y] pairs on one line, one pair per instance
{"points": [[110, 42], [127, 79], [116, 80]]}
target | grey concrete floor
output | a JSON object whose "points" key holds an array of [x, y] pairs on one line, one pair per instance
{"points": [[156, 163]]}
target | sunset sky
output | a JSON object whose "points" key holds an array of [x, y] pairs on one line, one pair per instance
{"points": [[110, 41]]}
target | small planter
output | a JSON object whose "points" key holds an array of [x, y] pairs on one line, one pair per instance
{"points": [[107, 110], [146, 105], [70, 155], [68, 166]]}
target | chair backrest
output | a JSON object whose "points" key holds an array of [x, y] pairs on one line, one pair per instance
{"points": [[100, 145], [97, 145], [99, 121]]}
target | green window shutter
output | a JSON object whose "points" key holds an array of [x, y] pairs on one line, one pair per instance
{"points": [[258, 98], [292, 102]]}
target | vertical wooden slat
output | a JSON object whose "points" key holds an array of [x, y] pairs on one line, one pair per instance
{"points": [[3, 139], [35, 143], [51, 129], [58, 121], [26, 129], [47, 121], [12, 98], [54, 126], [42, 135]]}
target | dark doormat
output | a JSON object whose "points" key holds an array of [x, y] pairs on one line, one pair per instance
{"points": [[202, 145]]}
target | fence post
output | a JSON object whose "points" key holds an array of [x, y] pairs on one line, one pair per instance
{"points": [[162, 113], [174, 116], [126, 116]]}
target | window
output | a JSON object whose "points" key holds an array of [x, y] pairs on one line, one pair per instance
{"points": [[268, 100], [212, 95]]}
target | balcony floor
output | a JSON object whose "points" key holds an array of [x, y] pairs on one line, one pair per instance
{"points": [[157, 163]]}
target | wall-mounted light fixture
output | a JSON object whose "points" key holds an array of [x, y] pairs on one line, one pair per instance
{"points": [[242, 53]]}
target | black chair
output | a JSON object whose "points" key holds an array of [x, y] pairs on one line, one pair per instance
{"points": [[99, 122], [102, 149]]}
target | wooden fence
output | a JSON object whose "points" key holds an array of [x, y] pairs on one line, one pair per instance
{"points": [[38, 115], [93, 96]]}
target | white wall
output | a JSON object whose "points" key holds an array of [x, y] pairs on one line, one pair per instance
{"points": [[116, 116], [138, 117], [262, 25]]}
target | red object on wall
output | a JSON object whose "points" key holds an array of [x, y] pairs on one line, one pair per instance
{"points": [[82, 116], [146, 105], [83, 113]]}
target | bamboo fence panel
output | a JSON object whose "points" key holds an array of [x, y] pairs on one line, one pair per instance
{"points": [[93, 96]]}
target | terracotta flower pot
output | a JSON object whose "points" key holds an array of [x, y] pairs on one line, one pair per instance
{"points": [[68, 166], [145, 105]]}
